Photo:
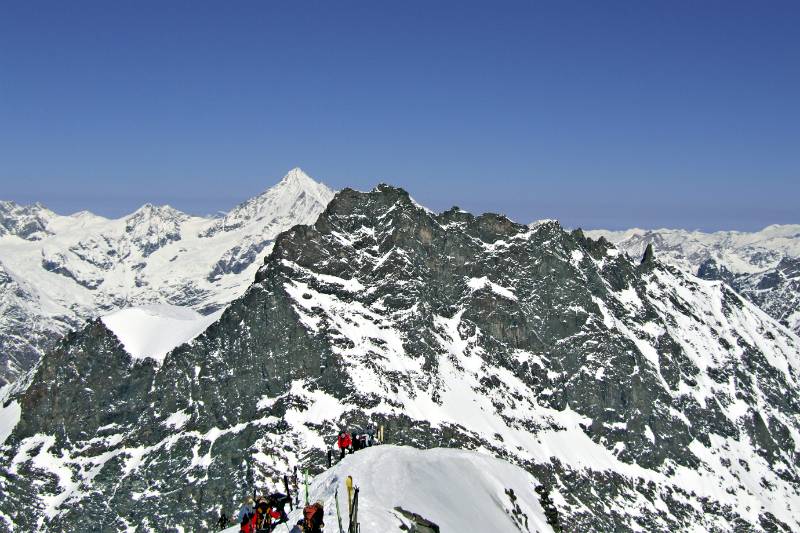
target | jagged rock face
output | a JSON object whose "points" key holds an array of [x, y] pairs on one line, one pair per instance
{"points": [[775, 290], [74, 268], [646, 398], [759, 265], [26, 222], [23, 338]]}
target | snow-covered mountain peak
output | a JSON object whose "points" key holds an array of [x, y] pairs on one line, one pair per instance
{"points": [[151, 331], [761, 265], [62, 270], [297, 182], [10, 205], [743, 252], [161, 212], [297, 175], [296, 195], [85, 214]]}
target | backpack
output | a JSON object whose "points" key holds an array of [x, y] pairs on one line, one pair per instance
{"points": [[312, 517]]}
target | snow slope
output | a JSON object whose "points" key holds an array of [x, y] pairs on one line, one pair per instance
{"points": [[153, 330], [9, 414], [455, 489], [763, 266], [56, 271]]}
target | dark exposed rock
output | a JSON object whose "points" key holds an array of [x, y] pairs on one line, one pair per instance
{"points": [[418, 523], [25, 221], [649, 256]]}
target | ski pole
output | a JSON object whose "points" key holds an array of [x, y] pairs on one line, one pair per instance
{"points": [[305, 482], [296, 491], [338, 513]]}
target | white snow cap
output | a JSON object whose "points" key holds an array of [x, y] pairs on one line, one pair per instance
{"points": [[298, 179]]}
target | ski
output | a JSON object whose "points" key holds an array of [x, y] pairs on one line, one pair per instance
{"points": [[349, 484], [338, 513], [354, 514], [288, 492]]}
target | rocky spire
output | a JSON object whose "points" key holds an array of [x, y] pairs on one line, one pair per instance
{"points": [[649, 256]]}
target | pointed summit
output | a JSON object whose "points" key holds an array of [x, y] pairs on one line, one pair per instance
{"points": [[297, 175], [649, 256], [297, 183], [296, 197]]}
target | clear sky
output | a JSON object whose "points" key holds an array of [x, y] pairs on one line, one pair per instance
{"points": [[601, 114]]}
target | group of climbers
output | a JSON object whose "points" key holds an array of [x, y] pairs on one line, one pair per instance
{"points": [[353, 442], [262, 514]]}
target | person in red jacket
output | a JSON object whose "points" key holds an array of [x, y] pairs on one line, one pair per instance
{"points": [[344, 441]]}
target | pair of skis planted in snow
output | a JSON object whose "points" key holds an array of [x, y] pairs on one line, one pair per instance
{"points": [[352, 507]]}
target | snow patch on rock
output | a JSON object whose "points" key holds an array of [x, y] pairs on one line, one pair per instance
{"points": [[477, 284], [152, 331]]}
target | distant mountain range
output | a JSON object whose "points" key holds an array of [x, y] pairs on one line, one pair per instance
{"points": [[764, 266], [640, 397], [57, 272]]}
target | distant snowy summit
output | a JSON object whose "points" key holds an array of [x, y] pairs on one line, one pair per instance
{"points": [[58, 271], [742, 252], [764, 266]]}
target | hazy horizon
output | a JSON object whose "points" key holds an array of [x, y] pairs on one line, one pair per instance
{"points": [[219, 212]]}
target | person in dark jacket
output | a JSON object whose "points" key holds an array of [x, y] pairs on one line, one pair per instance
{"points": [[313, 518], [277, 502], [223, 520], [298, 527]]}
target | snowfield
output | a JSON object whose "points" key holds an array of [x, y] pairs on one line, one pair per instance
{"points": [[9, 414], [152, 331], [460, 491]]}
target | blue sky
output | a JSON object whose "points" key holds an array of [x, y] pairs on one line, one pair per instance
{"points": [[600, 114]]}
